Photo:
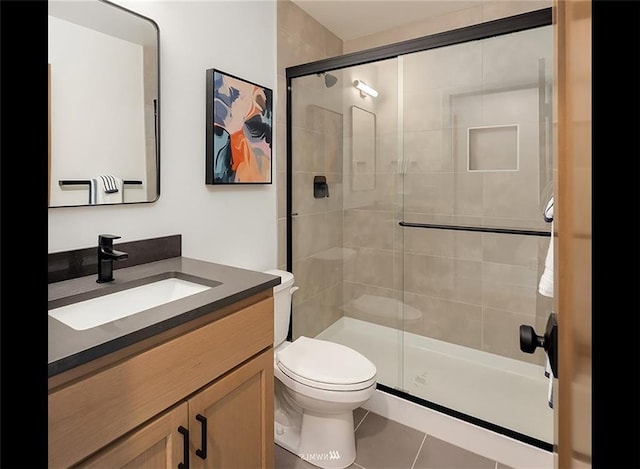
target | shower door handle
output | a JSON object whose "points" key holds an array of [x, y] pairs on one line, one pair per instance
{"points": [[530, 341]]}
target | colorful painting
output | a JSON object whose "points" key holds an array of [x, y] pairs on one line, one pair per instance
{"points": [[239, 128]]}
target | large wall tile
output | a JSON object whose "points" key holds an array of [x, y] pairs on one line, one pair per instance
{"points": [[370, 267], [446, 320], [510, 288], [308, 151], [309, 317], [511, 249], [501, 335], [424, 152], [309, 235], [429, 193], [367, 228], [311, 278]]}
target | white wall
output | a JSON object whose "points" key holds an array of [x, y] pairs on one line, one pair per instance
{"points": [[233, 225]]}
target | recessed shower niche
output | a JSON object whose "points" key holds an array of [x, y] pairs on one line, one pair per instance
{"points": [[492, 148]]}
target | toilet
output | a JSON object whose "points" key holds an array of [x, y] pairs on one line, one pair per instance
{"points": [[318, 385]]}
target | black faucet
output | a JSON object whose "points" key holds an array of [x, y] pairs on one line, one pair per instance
{"points": [[106, 256]]}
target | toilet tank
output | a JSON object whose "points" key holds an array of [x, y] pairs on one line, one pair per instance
{"points": [[282, 305]]}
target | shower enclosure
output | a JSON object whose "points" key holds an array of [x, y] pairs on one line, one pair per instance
{"points": [[415, 215]]}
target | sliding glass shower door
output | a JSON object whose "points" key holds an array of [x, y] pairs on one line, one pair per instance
{"points": [[477, 175], [417, 235], [344, 251]]}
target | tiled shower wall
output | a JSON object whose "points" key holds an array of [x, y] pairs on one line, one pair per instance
{"points": [[317, 227], [471, 289], [467, 288], [317, 270]]}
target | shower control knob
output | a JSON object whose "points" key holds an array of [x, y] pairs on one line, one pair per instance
{"points": [[529, 340]]}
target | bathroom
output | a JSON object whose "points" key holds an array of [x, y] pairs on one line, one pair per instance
{"points": [[396, 161], [239, 226]]}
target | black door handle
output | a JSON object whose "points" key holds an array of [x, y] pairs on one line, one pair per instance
{"points": [[185, 448], [530, 341], [202, 452]]}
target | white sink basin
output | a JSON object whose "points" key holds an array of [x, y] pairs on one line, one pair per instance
{"points": [[107, 308]]}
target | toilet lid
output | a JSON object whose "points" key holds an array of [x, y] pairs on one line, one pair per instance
{"points": [[323, 362]]}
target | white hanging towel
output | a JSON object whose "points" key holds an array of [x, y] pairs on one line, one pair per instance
{"points": [[110, 190], [545, 287]]}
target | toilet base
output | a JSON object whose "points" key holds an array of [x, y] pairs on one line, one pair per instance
{"points": [[326, 441]]}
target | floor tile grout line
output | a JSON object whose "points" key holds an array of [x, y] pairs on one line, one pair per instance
{"points": [[358, 465], [360, 423], [418, 452]]}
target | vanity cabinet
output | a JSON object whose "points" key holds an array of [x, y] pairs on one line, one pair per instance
{"points": [[156, 444], [211, 383], [221, 426], [232, 418]]}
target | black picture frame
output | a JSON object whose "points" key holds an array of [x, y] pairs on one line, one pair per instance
{"points": [[239, 124]]}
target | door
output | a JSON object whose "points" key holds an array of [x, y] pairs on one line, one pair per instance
{"points": [[231, 421], [157, 444], [573, 232]]}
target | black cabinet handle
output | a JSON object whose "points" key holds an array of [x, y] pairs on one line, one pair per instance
{"points": [[203, 443], [185, 448]]}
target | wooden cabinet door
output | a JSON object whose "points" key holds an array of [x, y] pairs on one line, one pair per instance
{"points": [[155, 445], [235, 417]]}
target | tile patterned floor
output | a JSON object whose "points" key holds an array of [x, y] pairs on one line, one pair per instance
{"points": [[384, 444]]}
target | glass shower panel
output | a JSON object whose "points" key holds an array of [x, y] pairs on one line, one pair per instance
{"points": [[317, 148], [345, 247], [477, 174]]}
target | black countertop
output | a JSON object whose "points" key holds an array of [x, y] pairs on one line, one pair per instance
{"points": [[69, 348]]}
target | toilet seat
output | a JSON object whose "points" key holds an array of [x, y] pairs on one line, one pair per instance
{"points": [[325, 365]]}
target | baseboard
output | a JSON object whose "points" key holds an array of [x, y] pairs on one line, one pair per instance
{"points": [[491, 445]]}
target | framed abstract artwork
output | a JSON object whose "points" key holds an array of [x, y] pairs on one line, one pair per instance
{"points": [[239, 130]]}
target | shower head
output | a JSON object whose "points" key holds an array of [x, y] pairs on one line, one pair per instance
{"points": [[329, 80]]}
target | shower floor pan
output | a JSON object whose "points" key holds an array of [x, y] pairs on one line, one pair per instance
{"points": [[506, 392]]}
